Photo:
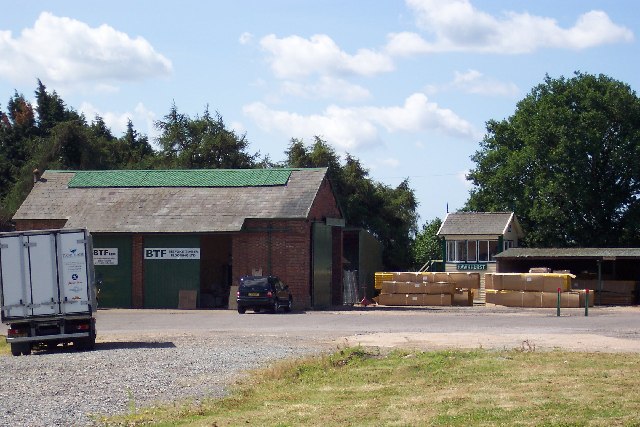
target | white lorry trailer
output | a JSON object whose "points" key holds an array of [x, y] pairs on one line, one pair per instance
{"points": [[47, 289]]}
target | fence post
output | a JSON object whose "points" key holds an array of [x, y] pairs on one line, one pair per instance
{"points": [[586, 303]]}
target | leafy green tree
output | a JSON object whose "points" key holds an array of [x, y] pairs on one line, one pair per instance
{"points": [[51, 110], [427, 245], [567, 163], [203, 142]]}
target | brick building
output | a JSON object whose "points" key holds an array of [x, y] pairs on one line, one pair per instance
{"points": [[159, 232]]}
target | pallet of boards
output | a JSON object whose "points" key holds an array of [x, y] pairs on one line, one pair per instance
{"points": [[424, 293], [415, 299], [610, 292], [393, 287], [462, 280], [528, 282], [532, 299]]}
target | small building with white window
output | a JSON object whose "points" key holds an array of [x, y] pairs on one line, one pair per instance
{"points": [[471, 240]]}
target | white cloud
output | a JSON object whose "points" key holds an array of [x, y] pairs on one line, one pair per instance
{"points": [[63, 50], [295, 57], [358, 127], [341, 127], [456, 25], [419, 114], [141, 117], [245, 38], [474, 82], [325, 88]]}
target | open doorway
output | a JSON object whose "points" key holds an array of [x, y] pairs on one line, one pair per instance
{"points": [[215, 270]]}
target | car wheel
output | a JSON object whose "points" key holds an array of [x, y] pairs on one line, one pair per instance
{"points": [[289, 305], [241, 310]]}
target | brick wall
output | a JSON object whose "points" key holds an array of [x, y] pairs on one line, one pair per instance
{"points": [[279, 247], [283, 248], [39, 224], [137, 271], [325, 204]]}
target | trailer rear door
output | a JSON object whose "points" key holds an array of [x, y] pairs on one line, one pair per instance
{"points": [[15, 293], [41, 256], [73, 250]]}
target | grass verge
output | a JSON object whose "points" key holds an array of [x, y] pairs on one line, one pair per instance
{"points": [[5, 349], [445, 388]]}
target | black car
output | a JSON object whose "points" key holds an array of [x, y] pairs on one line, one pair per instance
{"points": [[260, 292]]}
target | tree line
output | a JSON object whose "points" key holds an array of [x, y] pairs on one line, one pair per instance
{"points": [[51, 135], [566, 162]]}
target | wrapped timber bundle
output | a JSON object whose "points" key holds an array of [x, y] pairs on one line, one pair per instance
{"points": [[610, 292], [536, 290], [427, 288]]}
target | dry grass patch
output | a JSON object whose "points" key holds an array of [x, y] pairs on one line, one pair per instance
{"points": [[5, 348], [443, 388]]}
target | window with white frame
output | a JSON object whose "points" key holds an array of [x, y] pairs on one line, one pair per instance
{"points": [[471, 250]]}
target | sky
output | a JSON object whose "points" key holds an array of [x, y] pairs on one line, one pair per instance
{"points": [[407, 87]]}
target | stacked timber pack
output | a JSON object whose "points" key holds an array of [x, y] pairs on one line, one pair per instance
{"points": [[428, 289], [609, 292], [537, 290]]}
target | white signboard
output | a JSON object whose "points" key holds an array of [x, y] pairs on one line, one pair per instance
{"points": [[172, 253], [105, 256]]}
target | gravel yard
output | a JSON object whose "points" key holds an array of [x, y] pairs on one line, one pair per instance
{"points": [[66, 387], [149, 356]]}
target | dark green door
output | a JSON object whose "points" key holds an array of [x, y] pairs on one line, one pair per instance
{"points": [[322, 260], [112, 260], [167, 271]]}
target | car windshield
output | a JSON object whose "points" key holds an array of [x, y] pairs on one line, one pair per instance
{"points": [[256, 284]]}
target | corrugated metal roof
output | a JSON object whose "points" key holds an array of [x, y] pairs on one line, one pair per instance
{"points": [[181, 178], [476, 223], [169, 209], [592, 253]]}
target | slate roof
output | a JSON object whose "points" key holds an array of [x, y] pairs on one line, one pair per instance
{"points": [[169, 209], [478, 223], [585, 253]]}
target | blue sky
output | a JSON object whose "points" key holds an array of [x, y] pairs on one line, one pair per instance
{"points": [[405, 86]]}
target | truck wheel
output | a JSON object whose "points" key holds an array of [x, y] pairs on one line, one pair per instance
{"points": [[85, 344], [16, 349], [241, 310], [21, 348]]}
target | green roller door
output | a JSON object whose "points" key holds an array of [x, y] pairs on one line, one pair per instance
{"points": [[322, 261], [165, 275], [112, 259]]}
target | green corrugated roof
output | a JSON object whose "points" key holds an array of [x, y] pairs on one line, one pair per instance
{"points": [[181, 178]]}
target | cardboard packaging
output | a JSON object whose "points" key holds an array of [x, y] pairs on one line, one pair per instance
{"points": [[407, 277], [465, 280], [537, 299], [528, 282], [463, 297], [415, 299]]}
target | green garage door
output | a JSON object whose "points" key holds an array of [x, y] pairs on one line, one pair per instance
{"points": [[322, 261], [112, 260], [171, 264]]}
